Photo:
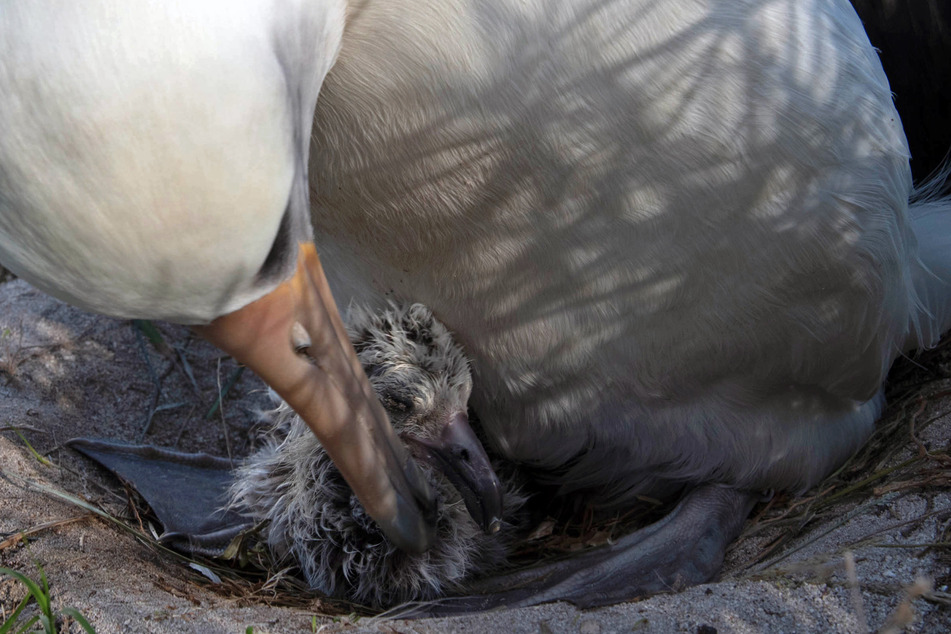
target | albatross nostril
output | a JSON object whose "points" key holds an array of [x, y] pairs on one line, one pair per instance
{"points": [[300, 339]]}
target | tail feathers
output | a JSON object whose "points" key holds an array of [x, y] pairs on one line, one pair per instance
{"points": [[930, 212]]}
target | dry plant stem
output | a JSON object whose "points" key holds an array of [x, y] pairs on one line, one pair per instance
{"points": [[938, 513], [904, 613], [938, 479], [21, 536], [23, 428], [221, 413], [923, 451], [813, 538], [131, 505], [857, 604]]}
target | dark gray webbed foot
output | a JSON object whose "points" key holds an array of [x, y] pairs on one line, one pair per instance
{"points": [[684, 548], [180, 488], [314, 520]]}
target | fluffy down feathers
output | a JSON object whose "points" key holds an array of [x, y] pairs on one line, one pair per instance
{"points": [[314, 519]]}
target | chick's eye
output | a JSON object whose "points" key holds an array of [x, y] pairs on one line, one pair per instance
{"points": [[397, 403]]}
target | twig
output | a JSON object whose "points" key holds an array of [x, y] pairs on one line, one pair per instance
{"points": [[219, 404], [24, 428], [21, 536], [157, 394], [184, 426], [937, 513], [223, 392], [854, 591], [919, 545], [814, 538]]}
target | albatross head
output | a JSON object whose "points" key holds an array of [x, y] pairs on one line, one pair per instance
{"points": [[422, 377], [153, 164]]}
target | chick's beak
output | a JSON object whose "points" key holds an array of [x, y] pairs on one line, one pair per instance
{"points": [[330, 391], [459, 455]]}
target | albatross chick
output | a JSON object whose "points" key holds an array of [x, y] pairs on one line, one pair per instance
{"points": [[313, 518]]}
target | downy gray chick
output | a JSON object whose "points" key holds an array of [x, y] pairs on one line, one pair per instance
{"points": [[314, 520]]}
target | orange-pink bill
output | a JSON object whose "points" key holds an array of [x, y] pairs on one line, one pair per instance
{"points": [[326, 385]]}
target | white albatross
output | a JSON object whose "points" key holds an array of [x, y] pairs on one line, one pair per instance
{"points": [[153, 165], [678, 240]]}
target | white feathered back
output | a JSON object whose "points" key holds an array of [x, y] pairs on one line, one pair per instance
{"points": [[672, 235]]}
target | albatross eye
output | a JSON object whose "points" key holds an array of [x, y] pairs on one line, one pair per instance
{"points": [[397, 403]]}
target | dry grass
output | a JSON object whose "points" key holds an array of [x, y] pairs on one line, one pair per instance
{"points": [[893, 463]]}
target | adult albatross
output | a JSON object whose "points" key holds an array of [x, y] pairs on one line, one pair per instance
{"points": [[153, 165], [674, 237]]}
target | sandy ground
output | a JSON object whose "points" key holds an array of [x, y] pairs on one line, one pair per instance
{"points": [[64, 373]]}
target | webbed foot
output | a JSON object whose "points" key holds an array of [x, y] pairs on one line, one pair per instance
{"points": [[187, 491], [684, 548]]}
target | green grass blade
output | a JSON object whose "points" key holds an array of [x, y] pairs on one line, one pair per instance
{"points": [[77, 616], [46, 604], [7, 625], [187, 368], [28, 625], [31, 585], [40, 594], [224, 392], [33, 451], [151, 333]]}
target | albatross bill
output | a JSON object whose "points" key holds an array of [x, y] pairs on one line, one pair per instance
{"points": [[330, 391], [164, 176]]}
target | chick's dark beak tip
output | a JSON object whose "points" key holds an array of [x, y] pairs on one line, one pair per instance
{"points": [[458, 454]]}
